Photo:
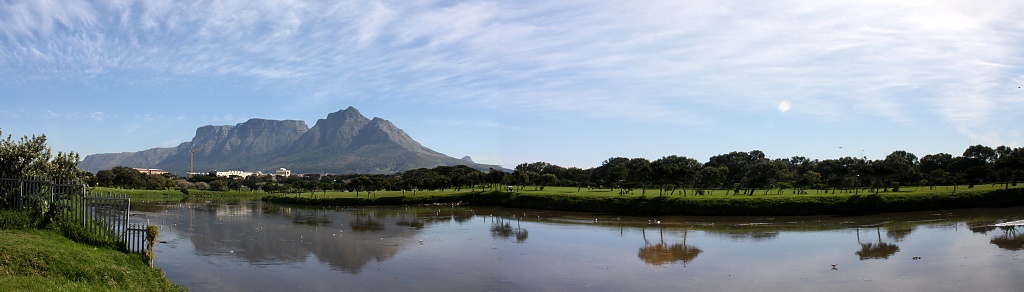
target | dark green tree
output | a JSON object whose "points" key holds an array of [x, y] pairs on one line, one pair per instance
{"points": [[936, 168], [639, 174], [977, 164], [674, 171]]}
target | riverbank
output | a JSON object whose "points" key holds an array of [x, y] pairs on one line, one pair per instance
{"points": [[44, 259], [784, 205]]}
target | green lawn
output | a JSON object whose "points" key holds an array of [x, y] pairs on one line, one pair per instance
{"points": [[649, 192], [45, 260], [174, 195], [721, 202]]}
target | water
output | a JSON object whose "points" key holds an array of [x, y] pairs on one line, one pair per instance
{"points": [[251, 246]]}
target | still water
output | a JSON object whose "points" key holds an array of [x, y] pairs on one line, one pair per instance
{"points": [[253, 246]]}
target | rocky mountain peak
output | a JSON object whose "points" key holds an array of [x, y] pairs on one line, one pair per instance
{"points": [[343, 142], [381, 131], [336, 131]]}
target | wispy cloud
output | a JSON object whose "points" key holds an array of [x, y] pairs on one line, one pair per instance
{"points": [[957, 60], [95, 116]]}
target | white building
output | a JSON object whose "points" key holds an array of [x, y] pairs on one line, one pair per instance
{"points": [[229, 173], [283, 172]]}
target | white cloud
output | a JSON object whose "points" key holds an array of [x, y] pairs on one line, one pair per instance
{"points": [[907, 61]]}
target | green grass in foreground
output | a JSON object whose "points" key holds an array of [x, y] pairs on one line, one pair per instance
{"points": [[35, 260]]}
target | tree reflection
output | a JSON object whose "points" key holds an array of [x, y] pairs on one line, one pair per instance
{"points": [[661, 253], [1010, 240], [898, 234], [367, 221], [501, 228], [311, 218], [414, 221], [879, 250]]}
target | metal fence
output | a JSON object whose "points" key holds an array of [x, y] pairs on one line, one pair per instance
{"points": [[103, 215]]}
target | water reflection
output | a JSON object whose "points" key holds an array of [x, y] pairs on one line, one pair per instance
{"points": [[255, 246], [1010, 236], [501, 228], [876, 250], [660, 253], [368, 235], [898, 233]]}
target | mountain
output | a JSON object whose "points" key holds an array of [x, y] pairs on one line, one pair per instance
{"points": [[238, 147], [144, 159], [344, 142]]}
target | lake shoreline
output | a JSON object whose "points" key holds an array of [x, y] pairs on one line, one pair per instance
{"points": [[843, 205]]}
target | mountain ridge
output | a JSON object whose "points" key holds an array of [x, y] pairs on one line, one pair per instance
{"points": [[343, 142]]}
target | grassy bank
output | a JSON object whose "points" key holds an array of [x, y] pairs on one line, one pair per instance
{"points": [[45, 259], [174, 195], [721, 204]]}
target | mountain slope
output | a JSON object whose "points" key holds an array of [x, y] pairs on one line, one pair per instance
{"points": [[143, 159], [344, 142]]}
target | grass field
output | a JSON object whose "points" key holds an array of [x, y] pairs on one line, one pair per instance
{"points": [[45, 260], [176, 195], [637, 201], [637, 192], [721, 202]]}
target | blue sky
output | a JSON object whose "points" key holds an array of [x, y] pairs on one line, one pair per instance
{"points": [[566, 82]]}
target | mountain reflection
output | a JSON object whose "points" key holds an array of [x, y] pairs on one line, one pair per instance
{"points": [[264, 234]]}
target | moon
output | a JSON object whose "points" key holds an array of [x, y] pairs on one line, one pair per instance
{"points": [[784, 106]]}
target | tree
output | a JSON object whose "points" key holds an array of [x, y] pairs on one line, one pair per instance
{"points": [[710, 177], [977, 164], [155, 182], [762, 173], [737, 163], [936, 167], [901, 167], [495, 177], [126, 177], [547, 179], [219, 185], [29, 156], [1009, 164], [639, 173], [612, 172], [675, 170], [577, 176], [808, 179], [105, 178]]}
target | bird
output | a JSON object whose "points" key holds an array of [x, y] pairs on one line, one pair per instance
{"points": [[834, 266]]}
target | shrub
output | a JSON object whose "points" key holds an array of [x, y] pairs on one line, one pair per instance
{"points": [[17, 219]]}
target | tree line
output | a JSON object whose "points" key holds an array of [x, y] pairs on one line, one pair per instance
{"points": [[739, 172]]}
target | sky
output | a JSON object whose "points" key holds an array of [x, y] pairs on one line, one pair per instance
{"points": [[568, 82]]}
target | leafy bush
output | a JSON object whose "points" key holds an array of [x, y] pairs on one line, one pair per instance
{"points": [[17, 219]]}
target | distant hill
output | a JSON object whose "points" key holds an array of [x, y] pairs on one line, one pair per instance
{"points": [[344, 142]]}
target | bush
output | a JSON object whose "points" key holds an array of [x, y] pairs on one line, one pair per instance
{"points": [[17, 219]]}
